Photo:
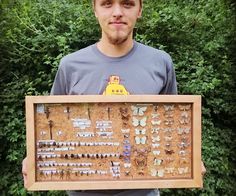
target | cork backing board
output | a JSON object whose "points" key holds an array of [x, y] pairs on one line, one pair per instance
{"points": [[113, 142]]}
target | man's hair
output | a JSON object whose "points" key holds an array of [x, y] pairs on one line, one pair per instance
{"points": [[141, 2]]}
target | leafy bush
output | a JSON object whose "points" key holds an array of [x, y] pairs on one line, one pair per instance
{"points": [[199, 35]]}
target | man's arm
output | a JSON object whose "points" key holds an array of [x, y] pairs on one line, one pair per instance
{"points": [[60, 82], [170, 86], [58, 88]]}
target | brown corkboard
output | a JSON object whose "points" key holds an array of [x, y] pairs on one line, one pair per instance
{"points": [[117, 139]]}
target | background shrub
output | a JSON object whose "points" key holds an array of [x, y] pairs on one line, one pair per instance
{"points": [[199, 35]]}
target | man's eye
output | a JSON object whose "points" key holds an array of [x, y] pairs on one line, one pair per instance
{"points": [[106, 4], [128, 4]]}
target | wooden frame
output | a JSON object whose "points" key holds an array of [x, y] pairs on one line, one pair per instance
{"points": [[195, 179]]}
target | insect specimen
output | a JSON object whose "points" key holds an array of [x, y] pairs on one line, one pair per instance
{"points": [[140, 131], [138, 110], [140, 140], [141, 122]]}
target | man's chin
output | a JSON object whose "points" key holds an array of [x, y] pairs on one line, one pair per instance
{"points": [[117, 40]]}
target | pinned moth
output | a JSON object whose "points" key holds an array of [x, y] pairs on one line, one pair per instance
{"points": [[156, 145], [156, 139], [169, 170], [157, 173], [183, 145], [155, 107], [156, 122], [156, 152], [155, 130], [157, 161], [184, 121], [126, 142], [169, 115], [59, 133], [67, 111], [169, 160], [42, 133], [169, 151], [168, 145], [169, 107], [125, 130], [157, 115], [124, 114], [168, 130], [182, 153], [127, 173], [183, 160], [127, 165], [168, 138], [183, 170], [126, 135], [184, 130], [185, 107], [184, 114], [169, 122]]}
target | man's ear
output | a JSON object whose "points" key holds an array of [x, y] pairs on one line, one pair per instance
{"points": [[94, 10], [140, 12], [95, 13]]}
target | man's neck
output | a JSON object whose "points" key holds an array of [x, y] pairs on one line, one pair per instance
{"points": [[113, 50]]}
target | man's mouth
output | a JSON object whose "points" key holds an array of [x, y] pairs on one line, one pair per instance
{"points": [[118, 23]]}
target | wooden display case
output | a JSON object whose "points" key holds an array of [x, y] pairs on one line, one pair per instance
{"points": [[93, 142]]}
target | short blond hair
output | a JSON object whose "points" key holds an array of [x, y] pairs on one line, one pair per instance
{"points": [[140, 1]]}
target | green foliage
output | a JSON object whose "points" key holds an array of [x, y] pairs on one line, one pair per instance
{"points": [[199, 35]]}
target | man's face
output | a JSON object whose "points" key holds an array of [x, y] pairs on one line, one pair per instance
{"points": [[117, 18]]}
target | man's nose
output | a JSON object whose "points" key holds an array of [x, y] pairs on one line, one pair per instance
{"points": [[117, 11]]}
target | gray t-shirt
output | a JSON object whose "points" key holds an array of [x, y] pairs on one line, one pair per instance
{"points": [[144, 70]]}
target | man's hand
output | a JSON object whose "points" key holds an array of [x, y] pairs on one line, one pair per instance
{"points": [[203, 169], [24, 171]]}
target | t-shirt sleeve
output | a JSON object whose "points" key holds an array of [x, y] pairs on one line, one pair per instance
{"points": [[170, 86], [60, 82]]}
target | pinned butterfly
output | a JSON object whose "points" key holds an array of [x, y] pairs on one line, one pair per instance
{"points": [[138, 110]]}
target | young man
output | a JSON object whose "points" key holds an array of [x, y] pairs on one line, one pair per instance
{"points": [[115, 65], [116, 56]]}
